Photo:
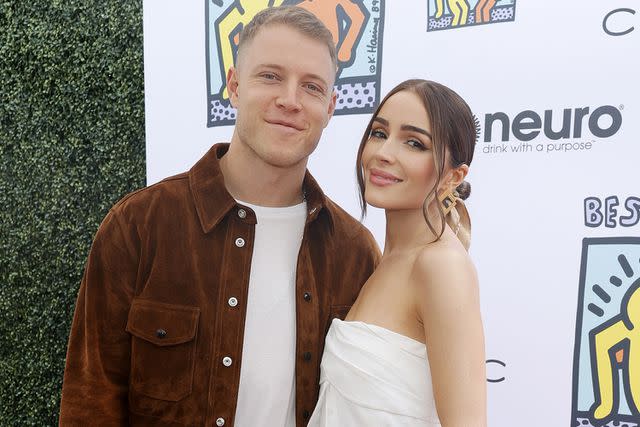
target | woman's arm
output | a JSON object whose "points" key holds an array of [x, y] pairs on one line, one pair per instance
{"points": [[448, 306]]}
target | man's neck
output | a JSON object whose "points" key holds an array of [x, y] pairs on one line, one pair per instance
{"points": [[249, 179]]}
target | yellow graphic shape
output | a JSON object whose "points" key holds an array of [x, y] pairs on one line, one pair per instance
{"points": [[604, 341], [459, 9], [327, 12], [483, 11], [239, 14]]}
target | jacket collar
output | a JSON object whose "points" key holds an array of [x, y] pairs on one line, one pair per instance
{"points": [[213, 202]]}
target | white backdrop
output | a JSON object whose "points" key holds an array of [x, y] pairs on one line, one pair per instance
{"points": [[538, 276]]}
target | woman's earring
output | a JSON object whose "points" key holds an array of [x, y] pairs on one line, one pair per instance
{"points": [[448, 200]]}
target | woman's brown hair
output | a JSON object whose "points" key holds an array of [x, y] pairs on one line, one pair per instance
{"points": [[454, 130]]}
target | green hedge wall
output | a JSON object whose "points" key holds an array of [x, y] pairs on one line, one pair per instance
{"points": [[71, 144]]}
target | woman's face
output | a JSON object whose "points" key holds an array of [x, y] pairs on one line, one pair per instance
{"points": [[397, 159]]}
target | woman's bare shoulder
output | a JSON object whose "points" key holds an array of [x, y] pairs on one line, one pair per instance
{"points": [[443, 270]]}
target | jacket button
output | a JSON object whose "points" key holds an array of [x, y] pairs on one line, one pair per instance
{"points": [[233, 301], [239, 242], [242, 213], [307, 356], [305, 414], [307, 296], [161, 333], [220, 422], [227, 361]]}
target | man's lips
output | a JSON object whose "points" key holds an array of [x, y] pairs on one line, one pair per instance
{"points": [[285, 123], [381, 178]]}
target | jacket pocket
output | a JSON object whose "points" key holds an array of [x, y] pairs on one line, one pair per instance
{"points": [[162, 348]]}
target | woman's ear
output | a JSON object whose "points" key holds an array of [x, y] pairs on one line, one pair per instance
{"points": [[457, 175]]}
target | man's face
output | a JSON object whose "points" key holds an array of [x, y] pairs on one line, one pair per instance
{"points": [[282, 88]]}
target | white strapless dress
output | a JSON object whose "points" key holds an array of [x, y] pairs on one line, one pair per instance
{"points": [[373, 377]]}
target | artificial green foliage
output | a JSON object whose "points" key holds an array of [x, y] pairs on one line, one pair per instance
{"points": [[71, 144]]}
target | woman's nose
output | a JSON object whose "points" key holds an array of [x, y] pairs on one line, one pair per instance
{"points": [[386, 152]]}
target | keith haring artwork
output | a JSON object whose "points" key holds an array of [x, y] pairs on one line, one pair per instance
{"points": [[448, 14], [357, 29], [606, 373]]}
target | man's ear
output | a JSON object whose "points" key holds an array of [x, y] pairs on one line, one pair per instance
{"points": [[232, 86], [332, 105]]}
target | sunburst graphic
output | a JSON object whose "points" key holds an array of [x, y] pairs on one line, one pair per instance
{"points": [[615, 281], [606, 375]]}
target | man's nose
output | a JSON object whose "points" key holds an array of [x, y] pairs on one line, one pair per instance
{"points": [[289, 97]]}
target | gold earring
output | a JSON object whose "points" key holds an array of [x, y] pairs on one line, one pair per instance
{"points": [[448, 200]]}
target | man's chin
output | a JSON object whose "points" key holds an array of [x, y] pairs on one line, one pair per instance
{"points": [[286, 155], [284, 162]]}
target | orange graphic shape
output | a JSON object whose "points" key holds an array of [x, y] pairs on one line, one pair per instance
{"points": [[327, 12], [483, 11]]}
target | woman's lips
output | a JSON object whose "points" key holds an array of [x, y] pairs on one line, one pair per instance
{"points": [[380, 178]]}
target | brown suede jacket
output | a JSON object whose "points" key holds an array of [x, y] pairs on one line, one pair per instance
{"points": [[162, 302]]}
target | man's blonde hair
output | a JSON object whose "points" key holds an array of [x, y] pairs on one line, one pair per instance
{"points": [[293, 17]]}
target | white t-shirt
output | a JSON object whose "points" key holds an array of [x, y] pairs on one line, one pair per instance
{"points": [[266, 396]]}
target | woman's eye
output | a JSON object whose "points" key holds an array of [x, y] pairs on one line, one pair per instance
{"points": [[376, 133], [416, 144]]}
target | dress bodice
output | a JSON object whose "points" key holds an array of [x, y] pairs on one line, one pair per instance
{"points": [[371, 376]]}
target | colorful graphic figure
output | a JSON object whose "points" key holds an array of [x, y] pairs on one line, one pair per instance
{"points": [[606, 376], [483, 11], [345, 19], [462, 13], [356, 26], [228, 27], [459, 9], [616, 346]]}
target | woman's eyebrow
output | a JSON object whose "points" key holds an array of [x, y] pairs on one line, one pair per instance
{"points": [[381, 120], [416, 129], [411, 128]]}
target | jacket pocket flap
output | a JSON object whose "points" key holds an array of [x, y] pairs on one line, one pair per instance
{"points": [[162, 324]]}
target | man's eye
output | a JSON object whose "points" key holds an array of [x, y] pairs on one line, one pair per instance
{"points": [[269, 76], [313, 87]]}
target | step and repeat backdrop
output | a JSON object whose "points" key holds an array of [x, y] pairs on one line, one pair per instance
{"points": [[555, 202]]}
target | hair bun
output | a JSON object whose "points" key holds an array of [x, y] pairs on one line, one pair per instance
{"points": [[464, 190]]}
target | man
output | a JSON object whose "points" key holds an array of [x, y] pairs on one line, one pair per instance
{"points": [[206, 297]]}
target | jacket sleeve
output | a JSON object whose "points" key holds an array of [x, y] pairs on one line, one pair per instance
{"points": [[96, 377], [373, 254]]}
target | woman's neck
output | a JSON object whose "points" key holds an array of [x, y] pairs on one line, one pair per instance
{"points": [[407, 229]]}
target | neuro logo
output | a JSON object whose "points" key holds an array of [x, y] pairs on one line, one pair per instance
{"points": [[606, 371], [357, 29], [447, 14]]}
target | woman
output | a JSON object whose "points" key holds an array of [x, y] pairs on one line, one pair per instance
{"points": [[411, 349]]}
